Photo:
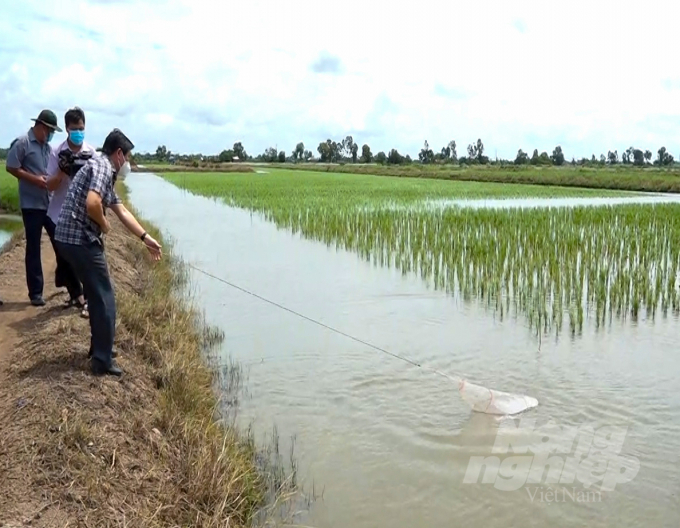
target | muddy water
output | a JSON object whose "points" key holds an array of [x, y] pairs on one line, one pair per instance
{"points": [[9, 224], [4, 237], [389, 444]]}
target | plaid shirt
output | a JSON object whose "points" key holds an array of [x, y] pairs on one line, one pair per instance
{"points": [[74, 225]]}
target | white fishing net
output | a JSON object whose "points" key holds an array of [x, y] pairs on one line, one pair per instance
{"points": [[491, 401]]}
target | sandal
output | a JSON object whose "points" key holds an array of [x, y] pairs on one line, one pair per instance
{"points": [[75, 302], [70, 303]]}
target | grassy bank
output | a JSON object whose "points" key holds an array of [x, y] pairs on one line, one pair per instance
{"points": [[146, 450], [621, 177], [9, 191], [204, 167]]}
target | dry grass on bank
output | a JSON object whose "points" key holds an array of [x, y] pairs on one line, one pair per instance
{"points": [[203, 167], [142, 451]]}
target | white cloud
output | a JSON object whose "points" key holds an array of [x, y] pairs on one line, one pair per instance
{"points": [[198, 75]]}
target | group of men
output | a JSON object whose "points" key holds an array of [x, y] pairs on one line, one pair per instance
{"points": [[67, 190]]}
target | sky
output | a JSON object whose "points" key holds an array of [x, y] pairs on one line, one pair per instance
{"points": [[199, 75]]}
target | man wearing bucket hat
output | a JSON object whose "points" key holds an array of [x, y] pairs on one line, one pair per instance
{"points": [[27, 161]]}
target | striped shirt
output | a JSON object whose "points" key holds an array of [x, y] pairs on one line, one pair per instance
{"points": [[74, 225]]}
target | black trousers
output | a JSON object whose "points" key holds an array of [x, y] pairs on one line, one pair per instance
{"points": [[65, 275], [89, 264], [34, 221]]}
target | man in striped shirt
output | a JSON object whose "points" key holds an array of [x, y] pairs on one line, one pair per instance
{"points": [[79, 239]]}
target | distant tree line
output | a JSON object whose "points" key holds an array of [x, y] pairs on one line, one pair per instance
{"points": [[632, 156], [348, 151]]}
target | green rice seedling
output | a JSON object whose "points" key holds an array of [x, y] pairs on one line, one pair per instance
{"points": [[584, 263]]}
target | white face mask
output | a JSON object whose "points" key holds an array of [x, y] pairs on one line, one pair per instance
{"points": [[124, 170]]}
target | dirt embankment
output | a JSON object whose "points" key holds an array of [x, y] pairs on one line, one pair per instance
{"points": [[142, 450], [206, 167]]}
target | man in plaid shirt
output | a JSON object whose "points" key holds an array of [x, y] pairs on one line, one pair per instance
{"points": [[79, 238]]}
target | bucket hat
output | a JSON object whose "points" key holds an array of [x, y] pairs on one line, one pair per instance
{"points": [[48, 118]]}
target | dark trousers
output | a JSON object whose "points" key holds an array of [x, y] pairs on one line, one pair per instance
{"points": [[34, 221], [65, 275], [89, 263]]}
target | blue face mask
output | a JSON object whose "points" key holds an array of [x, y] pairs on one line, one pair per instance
{"points": [[50, 136], [77, 136]]}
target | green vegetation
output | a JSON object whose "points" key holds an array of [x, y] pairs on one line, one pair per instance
{"points": [[286, 190], [635, 172], [624, 178], [9, 192], [10, 225], [547, 264], [347, 150]]}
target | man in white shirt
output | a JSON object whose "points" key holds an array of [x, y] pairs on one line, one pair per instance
{"points": [[58, 183]]}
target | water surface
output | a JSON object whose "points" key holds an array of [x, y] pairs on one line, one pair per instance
{"points": [[528, 203], [4, 237], [387, 443], [9, 224]]}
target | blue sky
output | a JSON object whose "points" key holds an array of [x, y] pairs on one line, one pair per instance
{"points": [[198, 75]]}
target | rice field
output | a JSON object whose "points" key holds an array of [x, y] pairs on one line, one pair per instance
{"points": [[284, 189], [557, 267]]}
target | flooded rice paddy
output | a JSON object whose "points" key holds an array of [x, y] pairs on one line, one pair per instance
{"points": [[575, 306]]}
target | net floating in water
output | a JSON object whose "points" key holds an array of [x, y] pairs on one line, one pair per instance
{"points": [[490, 401]]}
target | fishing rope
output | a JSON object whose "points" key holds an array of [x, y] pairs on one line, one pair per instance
{"points": [[311, 320], [460, 381], [324, 325]]}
